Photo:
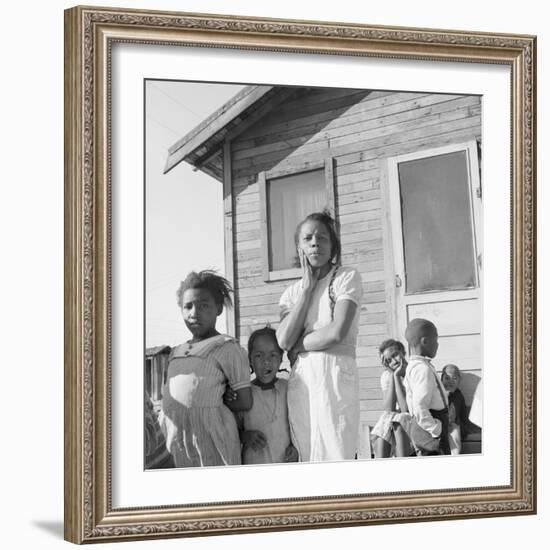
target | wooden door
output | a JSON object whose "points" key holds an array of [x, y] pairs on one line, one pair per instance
{"points": [[435, 221]]}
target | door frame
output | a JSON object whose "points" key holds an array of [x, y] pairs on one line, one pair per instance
{"points": [[395, 265]]}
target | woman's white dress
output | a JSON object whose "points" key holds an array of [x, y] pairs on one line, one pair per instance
{"points": [[323, 388]]}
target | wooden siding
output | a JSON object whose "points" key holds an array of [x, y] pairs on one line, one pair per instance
{"points": [[359, 130]]}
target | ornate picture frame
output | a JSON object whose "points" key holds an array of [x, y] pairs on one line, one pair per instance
{"points": [[90, 34]]}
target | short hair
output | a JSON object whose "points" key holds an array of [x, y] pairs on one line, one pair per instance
{"points": [[327, 220], [391, 343], [265, 331], [218, 286], [450, 366], [417, 329]]}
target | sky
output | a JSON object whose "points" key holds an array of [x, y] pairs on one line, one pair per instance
{"points": [[183, 209]]}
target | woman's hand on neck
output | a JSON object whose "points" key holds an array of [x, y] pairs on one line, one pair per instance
{"points": [[310, 275], [324, 270]]}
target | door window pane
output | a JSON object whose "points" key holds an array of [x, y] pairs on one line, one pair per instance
{"points": [[437, 223], [290, 200]]}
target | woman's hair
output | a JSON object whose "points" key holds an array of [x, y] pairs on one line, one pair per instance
{"points": [[265, 331], [218, 286], [391, 343], [326, 219]]}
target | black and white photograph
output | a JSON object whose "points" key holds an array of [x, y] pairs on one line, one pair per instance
{"points": [[313, 274], [300, 275]]}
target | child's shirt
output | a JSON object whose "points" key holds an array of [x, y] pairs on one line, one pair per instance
{"points": [[424, 392], [199, 372], [200, 430], [269, 415]]}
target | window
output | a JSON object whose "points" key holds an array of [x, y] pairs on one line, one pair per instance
{"points": [[438, 240], [287, 197]]}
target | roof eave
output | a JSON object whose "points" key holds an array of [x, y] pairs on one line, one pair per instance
{"points": [[210, 133]]}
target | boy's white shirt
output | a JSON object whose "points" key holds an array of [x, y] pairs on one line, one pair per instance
{"points": [[423, 393]]}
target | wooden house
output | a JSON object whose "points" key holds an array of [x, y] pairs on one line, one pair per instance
{"points": [[401, 173]]}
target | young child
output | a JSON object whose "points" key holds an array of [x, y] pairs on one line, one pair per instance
{"points": [[200, 429], [319, 326], [265, 433], [387, 434], [426, 398], [458, 414]]}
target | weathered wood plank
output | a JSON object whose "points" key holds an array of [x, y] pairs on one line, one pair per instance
{"points": [[372, 222], [363, 262], [365, 184], [271, 292], [363, 166], [353, 234], [243, 236], [366, 255], [369, 329], [370, 211], [374, 302], [347, 210], [363, 199], [370, 103], [371, 404], [366, 236], [369, 350], [253, 284], [276, 288], [365, 340], [253, 216], [450, 132], [373, 371], [342, 127], [246, 245], [372, 241], [369, 393], [261, 299], [260, 310], [250, 254], [292, 110], [358, 197], [242, 226], [333, 118], [360, 175], [305, 145], [428, 138], [376, 286]]}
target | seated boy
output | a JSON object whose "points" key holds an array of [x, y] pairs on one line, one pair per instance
{"points": [[458, 414], [426, 398]]}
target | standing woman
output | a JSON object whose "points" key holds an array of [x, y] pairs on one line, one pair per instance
{"points": [[319, 325]]}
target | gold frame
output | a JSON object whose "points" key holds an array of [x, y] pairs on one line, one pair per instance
{"points": [[89, 34]]}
